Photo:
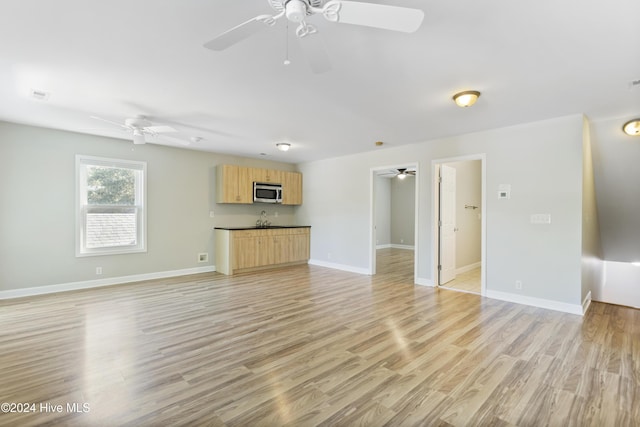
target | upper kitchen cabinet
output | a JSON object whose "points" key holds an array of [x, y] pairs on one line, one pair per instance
{"points": [[292, 188], [234, 184], [267, 175]]}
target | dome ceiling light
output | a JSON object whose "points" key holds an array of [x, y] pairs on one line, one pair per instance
{"points": [[632, 127], [283, 146], [466, 98]]}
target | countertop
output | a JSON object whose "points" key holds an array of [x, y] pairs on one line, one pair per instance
{"points": [[253, 227]]}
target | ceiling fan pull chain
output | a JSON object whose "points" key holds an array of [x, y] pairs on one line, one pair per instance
{"points": [[286, 40]]}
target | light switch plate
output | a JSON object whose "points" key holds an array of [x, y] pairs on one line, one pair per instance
{"points": [[540, 218]]}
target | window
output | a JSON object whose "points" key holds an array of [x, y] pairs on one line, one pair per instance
{"points": [[111, 213]]}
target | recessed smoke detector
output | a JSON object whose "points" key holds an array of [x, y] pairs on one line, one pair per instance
{"points": [[40, 95]]}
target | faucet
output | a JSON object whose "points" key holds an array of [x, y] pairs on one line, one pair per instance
{"points": [[262, 222]]}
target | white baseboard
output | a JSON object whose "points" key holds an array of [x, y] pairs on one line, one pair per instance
{"points": [[74, 286], [424, 282], [342, 267], [385, 246], [536, 302], [586, 303], [407, 247], [469, 267]]}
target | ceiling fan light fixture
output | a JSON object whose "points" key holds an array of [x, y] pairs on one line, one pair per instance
{"points": [[466, 98], [283, 146], [296, 10], [632, 127], [402, 175], [138, 137]]}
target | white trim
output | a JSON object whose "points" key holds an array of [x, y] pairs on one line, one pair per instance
{"points": [[81, 206], [424, 282], [87, 284], [342, 267], [536, 302], [407, 247], [386, 246], [586, 303], [468, 267]]}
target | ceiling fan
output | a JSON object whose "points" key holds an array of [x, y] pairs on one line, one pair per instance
{"points": [[400, 173], [346, 12], [140, 127]]}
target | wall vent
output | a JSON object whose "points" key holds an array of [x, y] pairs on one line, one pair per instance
{"points": [[634, 84], [40, 95]]}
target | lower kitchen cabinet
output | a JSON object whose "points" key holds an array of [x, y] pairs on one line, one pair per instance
{"points": [[249, 249]]}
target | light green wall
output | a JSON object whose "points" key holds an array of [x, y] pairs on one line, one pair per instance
{"points": [[383, 211], [403, 211], [468, 221], [37, 207]]}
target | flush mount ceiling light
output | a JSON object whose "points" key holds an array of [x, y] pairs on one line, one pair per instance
{"points": [[283, 146], [632, 127], [466, 98]]}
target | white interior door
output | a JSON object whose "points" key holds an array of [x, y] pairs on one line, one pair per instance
{"points": [[447, 224]]}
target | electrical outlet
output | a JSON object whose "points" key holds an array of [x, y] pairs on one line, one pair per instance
{"points": [[98, 271], [401, 240], [519, 285], [329, 255], [211, 214], [203, 257]]}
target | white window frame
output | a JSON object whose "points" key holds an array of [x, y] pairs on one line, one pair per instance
{"points": [[82, 162]]}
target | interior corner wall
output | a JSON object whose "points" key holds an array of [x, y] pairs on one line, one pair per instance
{"points": [[37, 207], [542, 161], [403, 211], [383, 211], [592, 259]]}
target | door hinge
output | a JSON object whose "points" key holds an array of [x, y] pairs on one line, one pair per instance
{"points": [[439, 267], [439, 223]]}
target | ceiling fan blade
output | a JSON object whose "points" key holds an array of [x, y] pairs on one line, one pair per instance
{"points": [[387, 17], [178, 140], [159, 129], [316, 54], [111, 122], [242, 31]]}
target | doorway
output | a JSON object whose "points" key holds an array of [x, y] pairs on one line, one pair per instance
{"points": [[394, 214], [459, 224]]}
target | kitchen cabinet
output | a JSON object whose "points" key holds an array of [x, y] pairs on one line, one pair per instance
{"points": [[292, 188], [249, 249], [267, 175], [234, 184]]}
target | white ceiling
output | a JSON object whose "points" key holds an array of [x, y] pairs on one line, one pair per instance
{"points": [[117, 59]]}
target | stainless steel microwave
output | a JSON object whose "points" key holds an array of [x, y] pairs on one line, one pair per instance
{"points": [[267, 193]]}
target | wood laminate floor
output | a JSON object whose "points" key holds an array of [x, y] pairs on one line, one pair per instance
{"points": [[469, 281], [309, 346]]}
